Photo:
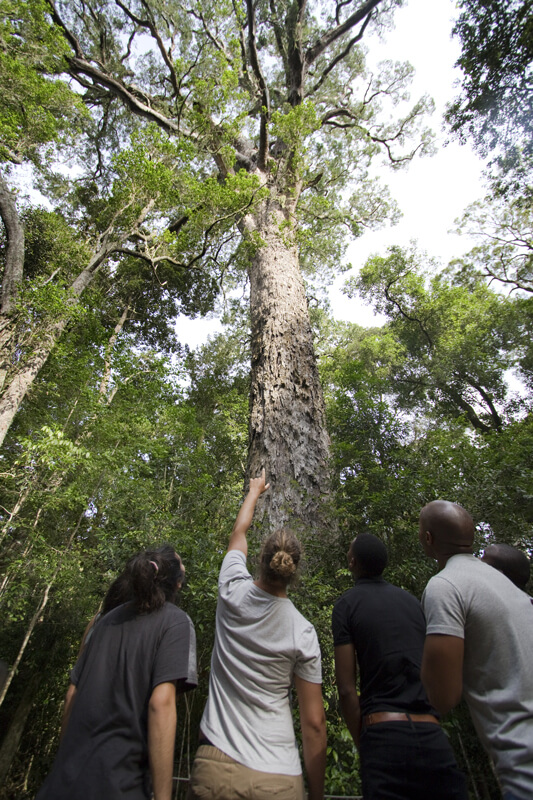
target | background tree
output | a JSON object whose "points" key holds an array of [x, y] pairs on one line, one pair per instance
{"points": [[504, 255], [108, 477], [215, 146], [453, 343], [494, 108]]}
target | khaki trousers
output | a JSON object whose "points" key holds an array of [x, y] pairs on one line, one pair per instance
{"points": [[216, 776]]}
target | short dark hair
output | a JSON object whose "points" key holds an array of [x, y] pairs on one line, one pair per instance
{"points": [[370, 554], [514, 564]]}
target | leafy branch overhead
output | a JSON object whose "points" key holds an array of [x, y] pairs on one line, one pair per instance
{"points": [[229, 79], [456, 342], [494, 108]]}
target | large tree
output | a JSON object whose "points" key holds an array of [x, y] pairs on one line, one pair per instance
{"points": [[278, 92]]}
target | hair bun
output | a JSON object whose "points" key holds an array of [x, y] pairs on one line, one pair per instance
{"points": [[282, 563]]}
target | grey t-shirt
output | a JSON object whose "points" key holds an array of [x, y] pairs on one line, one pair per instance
{"points": [[261, 642], [475, 602]]}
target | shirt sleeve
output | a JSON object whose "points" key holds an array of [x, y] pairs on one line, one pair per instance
{"points": [[176, 655], [232, 572], [76, 671], [308, 664], [444, 608], [340, 624]]}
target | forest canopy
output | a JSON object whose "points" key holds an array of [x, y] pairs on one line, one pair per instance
{"points": [[192, 158]]}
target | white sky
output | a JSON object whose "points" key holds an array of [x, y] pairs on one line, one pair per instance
{"points": [[431, 192]]}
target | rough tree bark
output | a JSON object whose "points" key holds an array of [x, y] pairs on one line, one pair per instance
{"points": [[287, 426]]}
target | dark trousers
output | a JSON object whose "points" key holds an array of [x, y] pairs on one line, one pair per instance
{"points": [[409, 761]]}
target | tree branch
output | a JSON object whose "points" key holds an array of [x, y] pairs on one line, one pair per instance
{"points": [[265, 96], [278, 34], [403, 313], [341, 56], [150, 25], [488, 400], [128, 95], [212, 38], [459, 400], [331, 36]]}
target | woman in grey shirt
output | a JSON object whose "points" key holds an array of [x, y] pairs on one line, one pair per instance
{"points": [[262, 645]]}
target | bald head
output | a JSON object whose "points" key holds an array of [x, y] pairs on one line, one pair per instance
{"points": [[446, 529], [514, 564]]}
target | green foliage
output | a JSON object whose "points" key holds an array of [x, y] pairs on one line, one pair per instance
{"points": [[456, 342], [504, 229], [52, 247], [118, 447], [37, 106], [495, 107], [101, 476]]}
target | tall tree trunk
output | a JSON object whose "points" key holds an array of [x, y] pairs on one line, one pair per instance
{"points": [[287, 421]]}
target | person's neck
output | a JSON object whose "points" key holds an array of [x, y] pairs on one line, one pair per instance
{"points": [[443, 558], [276, 589]]}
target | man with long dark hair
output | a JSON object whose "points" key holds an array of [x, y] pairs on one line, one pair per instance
{"points": [[119, 722]]}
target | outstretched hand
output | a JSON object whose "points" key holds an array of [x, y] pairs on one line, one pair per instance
{"points": [[258, 485], [237, 540]]}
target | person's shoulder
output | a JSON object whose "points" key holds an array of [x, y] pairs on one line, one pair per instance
{"points": [[173, 612], [398, 592], [343, 603], [234, 559]]}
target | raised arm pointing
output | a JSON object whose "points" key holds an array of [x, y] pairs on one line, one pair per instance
{"points": [[237, 540]]}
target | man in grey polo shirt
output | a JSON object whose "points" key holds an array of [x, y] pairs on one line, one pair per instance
{"points": [[479, 645]]}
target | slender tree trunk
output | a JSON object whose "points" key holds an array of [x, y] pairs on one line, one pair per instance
{"points": [[34, 620], [14, 733], [13, 269], [287, 421], [17, 389], [104, 383], [20, 384]]}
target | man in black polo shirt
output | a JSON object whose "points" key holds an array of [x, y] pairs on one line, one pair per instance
{"points": [[381, 629]]}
